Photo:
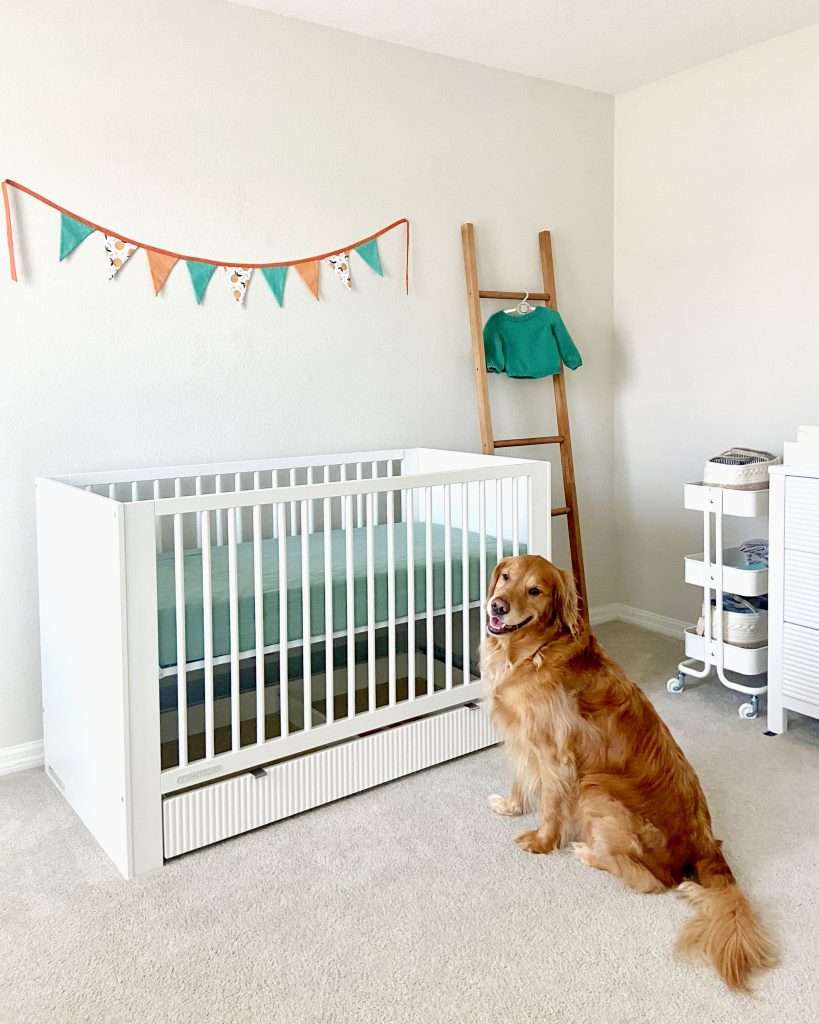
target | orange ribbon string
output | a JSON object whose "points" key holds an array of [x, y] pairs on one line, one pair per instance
{"points": [[9, 232], [181, 256]]}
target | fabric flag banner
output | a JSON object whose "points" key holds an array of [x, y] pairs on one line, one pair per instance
{"points": [[368, 251], [276, 277], [239, 280], [309, 273], [118, 253], [201, 273], [72, 232], [161, 264], [341, 264]]}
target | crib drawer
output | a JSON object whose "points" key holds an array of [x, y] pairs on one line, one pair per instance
{"points": [[801, 596], [802, 514], [800, 664], [217, 811]]}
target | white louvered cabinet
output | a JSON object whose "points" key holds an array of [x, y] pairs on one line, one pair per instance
{"points": [[793, 579]]}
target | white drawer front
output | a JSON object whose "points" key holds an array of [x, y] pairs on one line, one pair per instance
{"points": [[802, 513], [800, 663], [802, 588]]}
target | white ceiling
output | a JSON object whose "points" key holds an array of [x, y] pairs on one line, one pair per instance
{"points": [[608, 45]]}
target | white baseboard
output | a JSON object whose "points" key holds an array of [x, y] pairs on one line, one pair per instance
{"points": [[616, 612], [30, 755], [24, 755]]}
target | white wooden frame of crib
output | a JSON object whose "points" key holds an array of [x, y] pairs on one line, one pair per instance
{"points": [[100, 638]]}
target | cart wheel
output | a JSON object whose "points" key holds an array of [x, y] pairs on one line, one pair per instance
{"points": [[749, 710], [676, 684]]}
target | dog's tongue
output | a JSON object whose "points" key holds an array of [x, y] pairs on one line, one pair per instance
{"points": [[495, 622]]}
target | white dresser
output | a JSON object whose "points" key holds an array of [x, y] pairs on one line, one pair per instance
{"points": [[793, 595]]}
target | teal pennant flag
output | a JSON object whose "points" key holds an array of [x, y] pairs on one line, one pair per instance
{"points": [[72, 232], [368, 251], [276, 277], [201, 273]]}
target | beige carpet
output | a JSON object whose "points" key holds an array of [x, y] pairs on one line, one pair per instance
{"points": [[410, 902]]}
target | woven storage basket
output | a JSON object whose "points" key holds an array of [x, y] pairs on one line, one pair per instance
{"points": [[739, 467]]}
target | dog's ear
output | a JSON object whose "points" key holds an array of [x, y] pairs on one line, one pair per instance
{"points": [[494, 578], [565, 597]]}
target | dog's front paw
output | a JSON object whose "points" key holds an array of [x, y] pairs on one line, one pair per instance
{"points": [[536, 842], [505, 805]]}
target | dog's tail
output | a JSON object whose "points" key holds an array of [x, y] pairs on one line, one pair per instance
{"points": [[724, 928]]}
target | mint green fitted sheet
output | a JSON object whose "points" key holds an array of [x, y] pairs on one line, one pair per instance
{"points": [[270, 586]]}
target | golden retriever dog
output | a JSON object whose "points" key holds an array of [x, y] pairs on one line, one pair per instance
{"points": [[594, 759]]}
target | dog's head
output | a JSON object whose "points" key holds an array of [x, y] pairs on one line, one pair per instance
{"points": [[527, 593]]}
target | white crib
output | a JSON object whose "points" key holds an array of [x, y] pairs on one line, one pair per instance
{"points": [[331, 611]]}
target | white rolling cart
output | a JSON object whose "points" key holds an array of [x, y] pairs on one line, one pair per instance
{"points": [[725, 573]]}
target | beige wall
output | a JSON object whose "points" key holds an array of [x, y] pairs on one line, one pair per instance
{"points": [[716, 290], [223, 130]]}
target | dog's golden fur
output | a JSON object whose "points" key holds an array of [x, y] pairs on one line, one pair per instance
{"points": [[594, 759]]}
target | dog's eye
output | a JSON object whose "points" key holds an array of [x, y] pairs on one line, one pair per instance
{"points": [[534, 591], [504, 575]]}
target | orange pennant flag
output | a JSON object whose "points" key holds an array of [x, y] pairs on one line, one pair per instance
{"points": [[161, 264], [309, 273]]}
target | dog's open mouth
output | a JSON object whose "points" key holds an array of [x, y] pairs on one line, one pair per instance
{"points": [[497, 626]]}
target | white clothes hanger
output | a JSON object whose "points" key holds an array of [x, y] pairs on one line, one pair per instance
{"points": [[524, 306]]}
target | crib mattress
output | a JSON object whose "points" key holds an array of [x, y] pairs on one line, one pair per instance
{"points": [[194, 619]]}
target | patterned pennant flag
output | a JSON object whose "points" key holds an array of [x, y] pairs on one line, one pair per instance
{"points": [[276, 277], [341, 264], [118, 253], [72, 232], [201, 273], [239, 280], [368, 251], [160, 264], [309, 273]]}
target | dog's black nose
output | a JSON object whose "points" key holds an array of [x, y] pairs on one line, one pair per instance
{"points": [[499, 606]]}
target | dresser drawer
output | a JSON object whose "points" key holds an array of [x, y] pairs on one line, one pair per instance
{"points": [[802, 513], [800, 663], [802, 588]]}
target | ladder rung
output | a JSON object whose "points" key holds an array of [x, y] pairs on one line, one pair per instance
{"points": [[564, 510], [524, 442], [516, 296]]}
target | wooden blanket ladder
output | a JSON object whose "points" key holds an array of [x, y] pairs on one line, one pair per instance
{"points": [[563, 438]]}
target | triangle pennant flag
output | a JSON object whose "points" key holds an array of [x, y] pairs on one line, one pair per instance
{"points": [[160, 264], [239, 280], [118, 253], [201, 273], [341, 264], [276, 277], [368, 251], [72, 232], [309, 273]]}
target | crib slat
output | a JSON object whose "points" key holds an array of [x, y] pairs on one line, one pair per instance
{"points": [[407, 498], [293, 526], [274, 482], [207, 627], [233, 609], [448, 586], [135, 490], [467, 671], [258, 609], [343, 477], [391, 685], [529, 520], [370, 605], [430, 638], [515, 516], [220, 515], [198, 490], [376, 497], [157, 495], [181, 647], [350, 581], [482, 554], [112, 491], [306, 650], [499, 519], [359, 475], [327, 511], [237, 486], [284, 695]]}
